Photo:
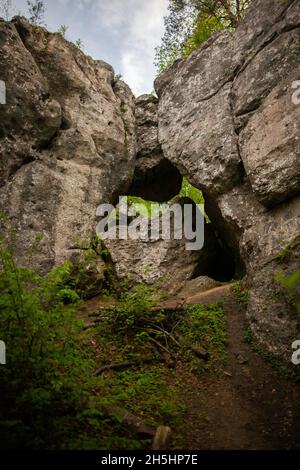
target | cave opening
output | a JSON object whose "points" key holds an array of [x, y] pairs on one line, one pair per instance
{"points": [[220, 258]]}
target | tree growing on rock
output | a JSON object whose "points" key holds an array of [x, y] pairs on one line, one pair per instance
{"points": [[191, 22], [36, 11]]}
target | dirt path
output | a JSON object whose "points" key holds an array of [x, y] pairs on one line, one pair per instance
{"points": [[248, 408]]}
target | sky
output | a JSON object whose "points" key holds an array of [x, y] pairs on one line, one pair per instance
{"points": [[123, 33]]}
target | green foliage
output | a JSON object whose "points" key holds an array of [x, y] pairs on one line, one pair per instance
{"points": [[205, 27], [79, 44], [207, 326], [291, 284], [63, 30], [241, 293], [153, 209], [191, 22], [145, 208], [134, 308], [122, 107], [47, 369], [144, 392], [187, 190], [48, 383]]}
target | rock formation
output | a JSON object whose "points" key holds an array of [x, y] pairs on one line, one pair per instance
{"points": [[72, 137], [227, 121], [68, 141], [155, 178]]}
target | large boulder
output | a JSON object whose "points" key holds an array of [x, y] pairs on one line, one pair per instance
{"points": [[68, 142], [165, 264], [227, 121], [155, 178]]}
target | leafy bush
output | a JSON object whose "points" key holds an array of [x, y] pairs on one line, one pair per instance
{"points": [[291, 284], [205, 27], [47, 371], [241, 293], [190, 23], [134, 308]]}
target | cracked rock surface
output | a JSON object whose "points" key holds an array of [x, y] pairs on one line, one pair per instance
{"points": [[227, 121], [71, 138], [68, 141]]}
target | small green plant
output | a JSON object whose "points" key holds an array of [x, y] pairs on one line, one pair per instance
{"points": [[63, 30], [207, 326], [79, 44], [241, 293], [117, 78], [291, 285], [122, 107], [134, 308]]}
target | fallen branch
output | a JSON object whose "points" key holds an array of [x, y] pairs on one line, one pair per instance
{"points": [[161, 436], [167, 334], [163, 348]]}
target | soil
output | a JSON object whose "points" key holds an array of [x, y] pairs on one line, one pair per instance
{"points": [[248, 406]]}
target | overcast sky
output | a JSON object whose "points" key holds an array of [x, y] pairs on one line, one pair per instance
{"points": [[124, 33]]}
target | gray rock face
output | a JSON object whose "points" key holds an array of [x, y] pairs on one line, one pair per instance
{"points": [[196, 127], [68, 141], [164, 264], [155, 178], [227, 121], [270, 145], [71, 138]]}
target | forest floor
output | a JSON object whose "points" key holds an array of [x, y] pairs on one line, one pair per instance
{"points": [[248, 407], [243, 404]]}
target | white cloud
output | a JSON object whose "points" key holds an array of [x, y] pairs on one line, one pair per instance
{"points": [[122, 32], [141, 25], [131, 71]]}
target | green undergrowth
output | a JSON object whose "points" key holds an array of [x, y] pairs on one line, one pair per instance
{"points": [[153, 391], [207, 326], [241, 293], [51, 398], [290, 290], [153, 209]]}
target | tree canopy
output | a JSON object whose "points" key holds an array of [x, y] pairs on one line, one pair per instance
{"points": [[190, 23]]}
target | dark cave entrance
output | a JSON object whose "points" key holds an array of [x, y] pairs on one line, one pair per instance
{"points": [[220, 257]]}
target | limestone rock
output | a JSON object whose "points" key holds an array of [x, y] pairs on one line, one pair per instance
{"points": [[270, 145], [197, 286], [155, 178], [68, 140], [227, 121], [196, 127]]}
